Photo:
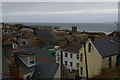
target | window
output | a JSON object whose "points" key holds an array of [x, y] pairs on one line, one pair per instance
{"points": [[110, 61], [77, 56], [66, 63], [81, 42], [118, 60], [81, 57], [23, 42], [81, 70], [89, 47], [77, 70], [28, 77], [65, 54], [70, 55], [71, 64], [32, 59], [77, 65]]}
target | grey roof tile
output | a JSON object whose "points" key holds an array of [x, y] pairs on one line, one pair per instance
{"points": [[46, 35], [46, 68], [107, 46], [73, 48]]}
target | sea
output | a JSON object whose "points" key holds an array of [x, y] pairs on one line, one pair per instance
{"points": [[88, 27]]}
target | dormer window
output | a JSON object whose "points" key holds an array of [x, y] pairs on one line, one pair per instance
{"points": [[32, 59], [28, 60], [89, 47]]}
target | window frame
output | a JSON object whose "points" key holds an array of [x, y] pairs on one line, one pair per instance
{"points": [[71, 55], [66, 54], [81, 70], [77, 55], [89, 47], [77, 64], [66, 63], [71, 64]]}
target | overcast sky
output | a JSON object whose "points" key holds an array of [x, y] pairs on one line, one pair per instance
{"points": [[60, 0], [59, 11]]}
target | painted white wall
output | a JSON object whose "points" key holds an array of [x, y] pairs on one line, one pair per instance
{"points": [[15, 45], [29, 74], [74, 60], [26, 60]]}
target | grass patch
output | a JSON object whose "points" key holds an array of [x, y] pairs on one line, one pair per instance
{"points": [[110, 73]]}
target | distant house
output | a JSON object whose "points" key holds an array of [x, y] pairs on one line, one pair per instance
{"points": [[49, 37], [71, 57], [10, 39], [115, 33], [66, 71], [23, 42], [101, 54], [15, 45], [27, 29]]}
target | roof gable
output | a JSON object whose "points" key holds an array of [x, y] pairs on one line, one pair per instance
{"points": [[46, 35], [107, 46], [73, 48]]}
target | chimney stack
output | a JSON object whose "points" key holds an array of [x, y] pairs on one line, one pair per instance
{"points": [[74, 28]]}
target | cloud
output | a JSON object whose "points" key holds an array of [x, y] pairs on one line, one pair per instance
{"points": [[103, 11], [0, 12], [60, 0], [59, 12]]}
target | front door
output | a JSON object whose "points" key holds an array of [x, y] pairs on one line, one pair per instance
{"points": [[110, 62]]}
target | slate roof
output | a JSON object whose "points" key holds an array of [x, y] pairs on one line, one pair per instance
{"points": [[107, 46], [46, 35], [46, 68], [73, 48], [26, 29]]}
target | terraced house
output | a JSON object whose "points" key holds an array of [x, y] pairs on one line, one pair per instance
{"points": [[98, 54], [71, 57]]}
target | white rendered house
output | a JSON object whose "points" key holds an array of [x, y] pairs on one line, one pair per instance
{"points": [[70, 57]]}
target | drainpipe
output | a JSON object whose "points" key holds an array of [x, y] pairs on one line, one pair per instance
{"points": [[61, 64], [57, 57], [86, 61]]}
